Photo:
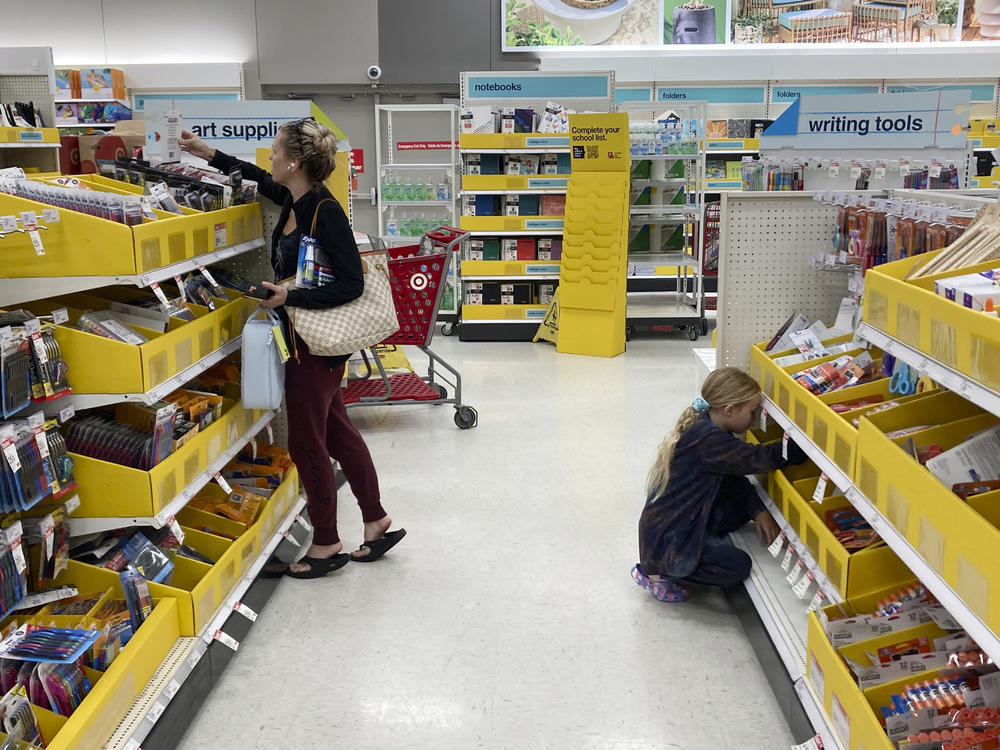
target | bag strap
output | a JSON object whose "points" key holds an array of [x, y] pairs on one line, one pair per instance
{"points": [[312, 229]]}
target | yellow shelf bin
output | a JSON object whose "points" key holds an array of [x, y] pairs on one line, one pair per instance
{"points": [[101, 365], [957, 336], [952, 536], [111, 490], [78, 244]]}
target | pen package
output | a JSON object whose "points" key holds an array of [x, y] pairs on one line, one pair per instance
{"points": [[18, 718], [15, 375], [137, 596], [40, 644]]}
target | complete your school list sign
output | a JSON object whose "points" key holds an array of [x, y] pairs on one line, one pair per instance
{"points": [[932, 119]]}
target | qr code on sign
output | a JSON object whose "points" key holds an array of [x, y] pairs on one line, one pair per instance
{"points": [[593, 152]]}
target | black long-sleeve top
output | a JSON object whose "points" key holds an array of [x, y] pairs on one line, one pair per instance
{"points": [[333, 235], [707, 461]]}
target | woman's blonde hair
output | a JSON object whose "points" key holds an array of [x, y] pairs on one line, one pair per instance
{"points": [[312, 145], [723, 387]]}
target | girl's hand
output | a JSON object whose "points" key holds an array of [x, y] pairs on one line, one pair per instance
{"points": [[767, 528], [195, 146], [275, 300]]}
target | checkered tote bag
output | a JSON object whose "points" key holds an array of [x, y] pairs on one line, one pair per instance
{"points": [[361, 323]]}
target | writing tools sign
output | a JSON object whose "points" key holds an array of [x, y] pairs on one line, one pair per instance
{"points": [[934, 119]]}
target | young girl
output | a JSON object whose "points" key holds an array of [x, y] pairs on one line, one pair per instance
{"points": [[698, 492]]}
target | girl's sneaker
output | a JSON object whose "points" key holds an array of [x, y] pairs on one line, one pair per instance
{"points": [[664, 591]]}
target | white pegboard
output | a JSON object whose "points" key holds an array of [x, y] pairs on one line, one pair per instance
{"points": [[765, 274]]}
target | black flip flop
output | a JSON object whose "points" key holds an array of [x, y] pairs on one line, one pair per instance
{"points": [[379, 547], [319, 566], [274, 560]]}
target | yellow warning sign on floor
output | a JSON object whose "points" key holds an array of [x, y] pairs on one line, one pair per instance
{"points": [[548, 330]]}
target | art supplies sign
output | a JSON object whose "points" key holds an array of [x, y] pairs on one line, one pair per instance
{"points": [[935, 119]]}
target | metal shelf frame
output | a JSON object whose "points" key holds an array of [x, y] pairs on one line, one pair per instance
{"points": [[16, 290], [81, 526], [977, 629]]}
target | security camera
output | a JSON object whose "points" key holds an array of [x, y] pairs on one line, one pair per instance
{"points": [[374, 72]]}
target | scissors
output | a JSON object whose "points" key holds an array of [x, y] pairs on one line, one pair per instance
{"points": [[904, 380]]}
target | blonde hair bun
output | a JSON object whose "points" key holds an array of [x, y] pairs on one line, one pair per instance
{"points": [[313, 145]]}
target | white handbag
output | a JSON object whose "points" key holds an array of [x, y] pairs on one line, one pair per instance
{"points": [[353, 326], [263, 378]]}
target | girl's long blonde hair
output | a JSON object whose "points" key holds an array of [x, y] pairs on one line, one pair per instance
{"points": [[723, 387]]}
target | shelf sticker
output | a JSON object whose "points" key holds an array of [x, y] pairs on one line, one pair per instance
{"points": [[8, 224], [556, 141], [535, 314], [548, 182], [816, 676], [546, 269], [820, 488], [30, 136], [223, 483], [71, 505], [543, 224], [784, 447], [132, 744], [180, 287], [841, 721], [287, 534], [270, 434], [172, 689], [175, 529], [802, 587], [813, 743], [245, 611], [60, 316], [786, 563], [795, 572], [50, 215], [763, 420], [221, 235], [226, 640], [160, 295], [817, 601], [156, 712], [776, 545], [67, 414]]}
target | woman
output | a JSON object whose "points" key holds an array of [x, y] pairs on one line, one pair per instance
{"points": [[302, 157]]}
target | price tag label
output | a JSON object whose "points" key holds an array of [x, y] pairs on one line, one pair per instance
{"points": [[820, 488], [34, 325], [36, 241], [160, 295], [171, 690], [795, 572], [270, 435], [175, 529], [132, 744], [156, 712], [42, 442], [855, 170], [814, 743], [287, 534], [50, 215], [60, 316], [784, 446], [223, 483], [935, 169], [879, 172], [10, 453], [786, 563], [776, 545], [803, 585], [221, 235], [18, 553], [39, 345], [304, 523], [245, 611], [226, 640], [195, 658], [180, 287], [29, 219], [71, 505], [835, 169], [209, 278], [253, 447], [904, 167], [67, 414], [8, 224], [817, 601], [763, 420]]}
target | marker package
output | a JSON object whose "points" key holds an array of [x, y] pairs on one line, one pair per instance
{"points": [[65, 686]]}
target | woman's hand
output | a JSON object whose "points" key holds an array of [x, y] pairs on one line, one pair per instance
{"points": [[767, 528], [277, 299], [195, 146]]}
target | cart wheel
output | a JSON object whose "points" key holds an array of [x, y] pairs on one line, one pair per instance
{"points": [[442, 391], [629, 330], [693, 333], [447, 329], [466, 417], [704, 328]]}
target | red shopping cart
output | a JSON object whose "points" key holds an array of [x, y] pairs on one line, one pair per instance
{"points": [[417, 273]]}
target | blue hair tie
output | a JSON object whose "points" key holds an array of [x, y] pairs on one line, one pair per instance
{"points": [[700, 405]]}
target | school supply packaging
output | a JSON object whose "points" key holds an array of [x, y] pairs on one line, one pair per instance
{"points": [[264, 355], [977, 459]]}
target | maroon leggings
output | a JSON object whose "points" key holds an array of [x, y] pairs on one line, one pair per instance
{"points": [[318, 429]]}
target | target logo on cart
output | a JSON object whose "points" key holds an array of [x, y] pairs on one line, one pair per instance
{"points": [[419, 281]]}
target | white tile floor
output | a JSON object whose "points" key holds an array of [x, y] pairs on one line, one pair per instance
{"points": [[507, 617]]}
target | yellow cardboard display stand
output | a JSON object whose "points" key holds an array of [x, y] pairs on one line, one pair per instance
{"points": [[592, 280]]}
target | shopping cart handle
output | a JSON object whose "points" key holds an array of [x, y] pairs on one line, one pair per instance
{"points": [[446, 234]]}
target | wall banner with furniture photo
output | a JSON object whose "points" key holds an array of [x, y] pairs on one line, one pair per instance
{"points": [[660, 24]]}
